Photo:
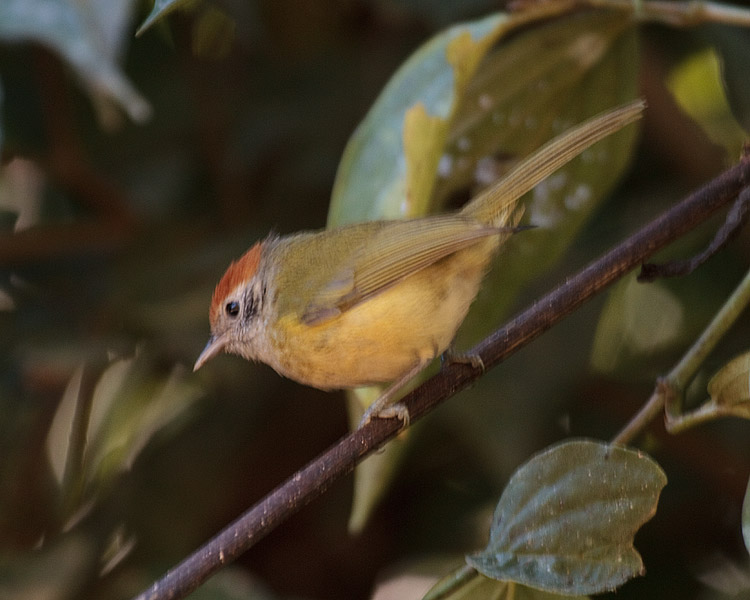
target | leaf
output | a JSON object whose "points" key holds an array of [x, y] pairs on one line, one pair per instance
{"points": [[697, 86], [160, 10], [638, 319], [566, 520], [97, 435], [389, 164], [71, 29], [131, 405], [732, 46], [454, 105], [730, 389], [539, 84]]}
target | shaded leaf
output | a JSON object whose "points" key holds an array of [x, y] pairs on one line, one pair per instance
{"points": [[68, 28], [697, 86], [566, 520], [94, 437], [131, 405], [59, 435], [542, 82], [730, 389], [732, 44], [638, 319]]}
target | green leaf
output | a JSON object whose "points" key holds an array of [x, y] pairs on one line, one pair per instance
{"points": [[730, 389], [542, 82], [566, 520], [732, 46], [457, 103], [697, 86], [82, 37], [638, 319], [389, 165], [132, 404], [97, 435], [160, 10]]}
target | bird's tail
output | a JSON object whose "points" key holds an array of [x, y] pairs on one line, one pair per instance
{"points": [[497, 204]]}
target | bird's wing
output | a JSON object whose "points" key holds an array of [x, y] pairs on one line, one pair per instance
{"points": [[391, 254]]}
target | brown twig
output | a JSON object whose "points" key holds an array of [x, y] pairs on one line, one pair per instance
{"points": [[311, 481]]}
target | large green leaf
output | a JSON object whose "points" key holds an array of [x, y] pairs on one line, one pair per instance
{"points": [[537, 85], [565, 522], [87, 35], [389, 164], [459, 102]]}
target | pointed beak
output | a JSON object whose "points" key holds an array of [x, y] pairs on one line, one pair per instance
{"points": [[215, 345]]}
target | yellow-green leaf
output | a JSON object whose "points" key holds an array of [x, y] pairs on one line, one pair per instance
{"points": [[639, 319], [698, 88], [730, 388]]}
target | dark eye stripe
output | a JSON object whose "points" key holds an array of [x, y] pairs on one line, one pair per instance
{"points": [[251, 306]]}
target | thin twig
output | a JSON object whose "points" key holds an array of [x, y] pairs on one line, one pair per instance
{"points": [[311, 481]]}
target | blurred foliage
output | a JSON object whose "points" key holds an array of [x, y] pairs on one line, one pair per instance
{"points": [[134, 170]]}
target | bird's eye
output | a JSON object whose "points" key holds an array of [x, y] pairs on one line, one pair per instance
{"points": [[232, 308]]}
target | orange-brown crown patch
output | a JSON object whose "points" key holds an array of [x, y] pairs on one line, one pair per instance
{"points": [[240, 271]]}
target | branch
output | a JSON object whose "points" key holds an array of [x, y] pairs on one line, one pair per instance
{"points": [[311, 481]]}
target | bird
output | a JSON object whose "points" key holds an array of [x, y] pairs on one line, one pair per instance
{"points": [[378, 301]]}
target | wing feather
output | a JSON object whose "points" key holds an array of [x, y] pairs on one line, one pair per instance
{"points": [[390, 255]]}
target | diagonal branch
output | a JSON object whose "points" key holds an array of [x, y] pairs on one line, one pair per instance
{"points": [[311, 481]]}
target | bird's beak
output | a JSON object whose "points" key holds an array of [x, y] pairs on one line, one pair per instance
{"points": [[215, 345]]}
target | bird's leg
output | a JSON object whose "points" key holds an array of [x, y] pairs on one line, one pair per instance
{"points": [[451, 355], [383, 407]]}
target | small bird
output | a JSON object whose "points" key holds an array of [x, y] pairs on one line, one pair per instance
{"points": [[376, 302]]}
